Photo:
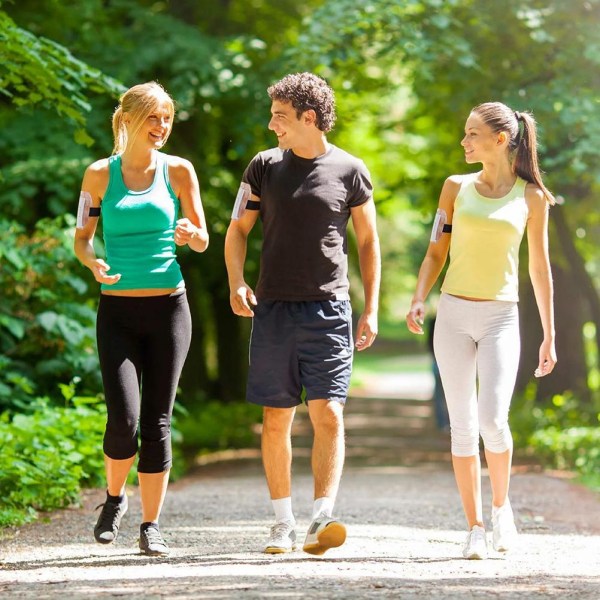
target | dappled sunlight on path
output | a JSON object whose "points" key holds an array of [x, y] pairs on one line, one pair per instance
{"points": [[399, 502]]}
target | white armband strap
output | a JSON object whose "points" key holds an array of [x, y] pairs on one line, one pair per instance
{"points": [[241, 200], [85, 210], [439, 225]]}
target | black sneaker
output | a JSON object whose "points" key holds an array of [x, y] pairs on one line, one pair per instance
{"points": [[107, 527], [151, 541]]}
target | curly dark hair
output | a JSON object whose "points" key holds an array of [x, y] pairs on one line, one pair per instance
{"points": [[307, 91]]}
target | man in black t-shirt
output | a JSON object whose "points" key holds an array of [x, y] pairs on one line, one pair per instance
{"points": [[304, 191]]}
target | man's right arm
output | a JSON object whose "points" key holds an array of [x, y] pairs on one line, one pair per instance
{"points": [[241, 296]]}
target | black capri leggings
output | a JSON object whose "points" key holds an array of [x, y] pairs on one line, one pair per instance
{"points": [[142, 342]]}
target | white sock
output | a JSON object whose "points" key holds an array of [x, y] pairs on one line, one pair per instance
{"points": [[323, 506], [505, 506], [283, 510]]}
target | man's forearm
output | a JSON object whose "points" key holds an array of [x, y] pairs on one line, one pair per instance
{"points": [[370, 270], [235, 256]]}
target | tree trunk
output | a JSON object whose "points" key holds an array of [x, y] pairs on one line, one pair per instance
{"points": [[232, 348], [574, 300], [582, 280], [195, 381]]}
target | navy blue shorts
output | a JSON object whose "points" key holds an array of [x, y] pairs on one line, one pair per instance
{"points": [[297, 345]]}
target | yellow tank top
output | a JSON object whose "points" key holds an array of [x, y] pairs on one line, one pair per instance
{"points": [[484, 246]]}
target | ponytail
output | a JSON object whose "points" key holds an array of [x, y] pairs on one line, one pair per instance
{"points": [[119, 131], [525, 163], [522, 141]]}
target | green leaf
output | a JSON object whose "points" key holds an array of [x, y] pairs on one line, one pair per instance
{"points": [[82, 137], [14, 325], [48, 320]]}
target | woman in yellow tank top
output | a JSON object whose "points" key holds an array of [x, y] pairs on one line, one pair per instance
{"points": [[476, 338]]}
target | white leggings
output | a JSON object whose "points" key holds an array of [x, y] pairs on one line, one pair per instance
{"points": [[477, 343]]}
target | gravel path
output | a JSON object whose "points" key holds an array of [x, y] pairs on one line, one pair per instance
{"points": [[398, 500]]}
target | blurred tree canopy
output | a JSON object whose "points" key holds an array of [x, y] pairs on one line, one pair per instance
{"points": [[406, 75], [450, 55]]}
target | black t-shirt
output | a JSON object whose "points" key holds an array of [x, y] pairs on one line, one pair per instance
{"points": [[304, 207]]}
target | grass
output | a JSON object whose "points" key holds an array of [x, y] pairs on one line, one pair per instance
{"points": [[395, 351], [366, 366]]}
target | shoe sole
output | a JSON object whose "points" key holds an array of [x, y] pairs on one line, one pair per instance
{"points": [[154, 552], [149, 552], [332, 536], [476, 556], [502, 547], [279, 550]]}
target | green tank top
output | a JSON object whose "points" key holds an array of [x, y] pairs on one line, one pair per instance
{"points": [[484, 246], [139, 230]]}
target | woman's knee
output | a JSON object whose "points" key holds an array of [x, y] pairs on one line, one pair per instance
{"points": [[155, 454], [496, 438], [464, 441], [120, 441]]}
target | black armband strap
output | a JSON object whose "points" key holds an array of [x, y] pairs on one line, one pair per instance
{"points": [[253, 205], [447, 228], [95, 211]]}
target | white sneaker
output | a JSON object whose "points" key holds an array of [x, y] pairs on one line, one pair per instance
{"points": [[476, 544], [505, 531], [282, 538], [324, 533]]}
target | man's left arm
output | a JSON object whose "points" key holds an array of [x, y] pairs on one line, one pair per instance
{"points": [[365, 226]]}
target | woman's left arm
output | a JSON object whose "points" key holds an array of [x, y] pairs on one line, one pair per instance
{"points": [[191, 229], [541, 275]]}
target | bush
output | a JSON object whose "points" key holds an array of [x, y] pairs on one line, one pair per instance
{"points": [[216, 425], [563, 433], [48, 456], [575, 448], [46, 326]]}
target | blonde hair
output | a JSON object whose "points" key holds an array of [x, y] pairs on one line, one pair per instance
{"points": [[138, 102]]}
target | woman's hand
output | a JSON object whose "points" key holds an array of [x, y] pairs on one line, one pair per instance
{"points": [[416, 317], [99, 269], [186, 231], [547, 359]]}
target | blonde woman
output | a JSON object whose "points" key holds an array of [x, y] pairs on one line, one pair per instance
{"points": [[481, 220], [144, 324]]}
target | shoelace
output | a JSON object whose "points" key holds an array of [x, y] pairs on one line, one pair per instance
{"points": [[153, 536], [108, 516], [280, 530], [477, 537]]}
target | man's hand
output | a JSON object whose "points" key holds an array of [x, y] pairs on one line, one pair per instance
{"points": [[366, 331], [241, 300]]}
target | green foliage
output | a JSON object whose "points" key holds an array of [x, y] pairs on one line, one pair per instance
{"points": [[575, 448], [46, 327], [38, 71], [564, 433], [213, 426], [49, 455]]}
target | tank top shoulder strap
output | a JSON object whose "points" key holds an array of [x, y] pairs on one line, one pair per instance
{"points": [[520, 187], [115, 178], [467, 182], [114, 165], [162, 164]]}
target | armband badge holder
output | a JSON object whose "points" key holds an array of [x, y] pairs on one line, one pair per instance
{"points": [[85, 210], [242, 201], [440, 225]]}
